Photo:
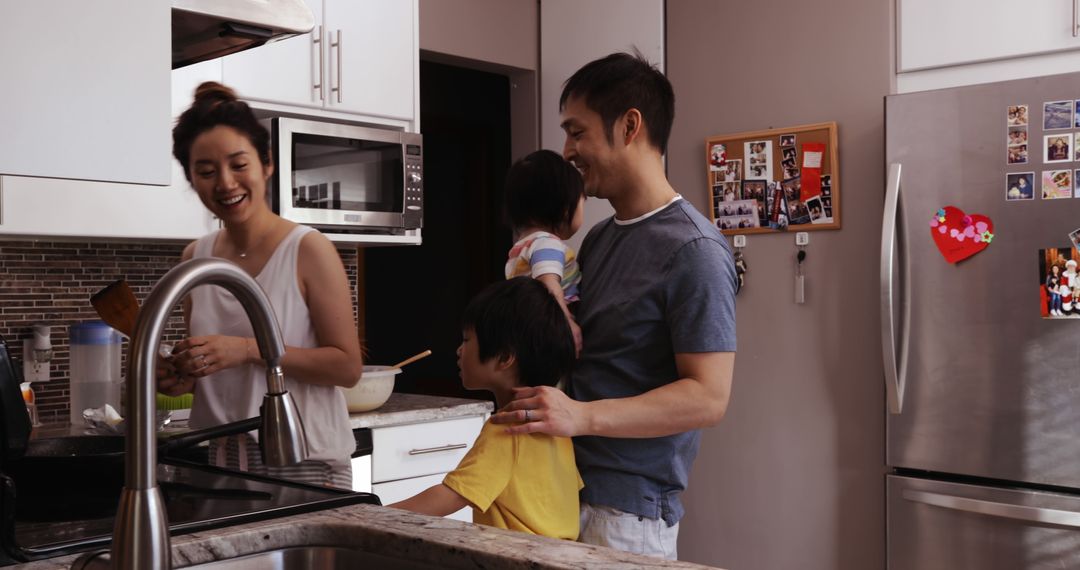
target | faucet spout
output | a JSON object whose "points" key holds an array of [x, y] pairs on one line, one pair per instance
{"points": [[141, 531]]}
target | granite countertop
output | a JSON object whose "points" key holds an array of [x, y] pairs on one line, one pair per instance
{"points": [[414, 408], [440, 542]]}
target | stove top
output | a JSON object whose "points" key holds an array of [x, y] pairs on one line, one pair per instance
{"points": [[60, 521]]}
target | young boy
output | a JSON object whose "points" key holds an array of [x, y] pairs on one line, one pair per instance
{"points": [[513, 334]]}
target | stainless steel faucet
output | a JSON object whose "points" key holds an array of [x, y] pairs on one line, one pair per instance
{"points": [[141, 532]]}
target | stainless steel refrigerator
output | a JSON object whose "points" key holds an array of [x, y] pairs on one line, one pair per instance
{"points": [[983, 420]]}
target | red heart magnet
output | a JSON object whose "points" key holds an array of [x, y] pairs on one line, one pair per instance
{"points": [[958, 235]]}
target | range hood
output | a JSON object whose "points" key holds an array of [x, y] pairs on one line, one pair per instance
{"points": [[207, 29]]}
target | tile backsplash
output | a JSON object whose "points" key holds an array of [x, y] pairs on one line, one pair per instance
{"points": [[51, 283]]}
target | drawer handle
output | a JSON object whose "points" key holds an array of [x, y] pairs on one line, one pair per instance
{"points": [[450, 447]]}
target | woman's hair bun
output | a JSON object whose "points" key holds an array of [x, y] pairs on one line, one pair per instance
{"points": [[212, 92]]}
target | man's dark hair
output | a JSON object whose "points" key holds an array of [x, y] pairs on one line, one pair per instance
{"points": [[619, 82], [542, 189], [519, 317]]}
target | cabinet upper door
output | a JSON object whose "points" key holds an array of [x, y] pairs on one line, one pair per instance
{"points": [[86, 91], [372, 56], [934, 34], [286, 71]]}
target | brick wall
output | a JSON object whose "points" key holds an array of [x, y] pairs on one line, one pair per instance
{"points": [[51, 283]]}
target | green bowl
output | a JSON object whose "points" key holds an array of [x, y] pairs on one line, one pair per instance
{"points": [[182, 402]]}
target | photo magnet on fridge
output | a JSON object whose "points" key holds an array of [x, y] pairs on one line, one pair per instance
{"points": [[1059, 282], [959, 235]]}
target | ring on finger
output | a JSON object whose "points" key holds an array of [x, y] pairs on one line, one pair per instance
{"points": [[528, 415]]}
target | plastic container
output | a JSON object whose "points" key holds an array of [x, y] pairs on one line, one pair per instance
{"points": [[373, 390], [95, 368]]}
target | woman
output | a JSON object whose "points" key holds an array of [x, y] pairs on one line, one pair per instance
{"points": [[225, 154]]}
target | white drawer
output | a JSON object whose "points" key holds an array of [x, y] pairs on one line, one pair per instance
{"points": [[395, 491], [413, 450]]}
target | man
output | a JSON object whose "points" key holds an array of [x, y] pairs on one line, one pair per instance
{"points": [[657, 314]]}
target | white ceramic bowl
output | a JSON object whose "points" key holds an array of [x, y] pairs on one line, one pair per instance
{"points": [[373, 390]]}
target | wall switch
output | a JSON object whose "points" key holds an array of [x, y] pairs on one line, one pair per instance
{"points": [[740, 241], [802, 238]]}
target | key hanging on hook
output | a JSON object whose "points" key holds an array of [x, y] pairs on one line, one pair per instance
{"points": [[801, 239], [740, 263]]}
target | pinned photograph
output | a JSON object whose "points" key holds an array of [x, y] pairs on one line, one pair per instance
{"points": [[1018, 115], [1018, 154], [739, 214], [787, 140], [817, 210], [1057, 115], [732, 171], [792, 188], [1059, 282], [1020, 186], [730, 191], [758, 156], [1057, 148], [1057, 184], [789, 153], [827, 202], [798, 212], [826, 180], [717, 157], [1017, 135]]}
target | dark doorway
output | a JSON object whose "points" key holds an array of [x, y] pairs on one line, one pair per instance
{"points": [[414, 296]]}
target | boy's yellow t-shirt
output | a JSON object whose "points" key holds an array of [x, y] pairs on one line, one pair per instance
{"points": [[524, 482]]}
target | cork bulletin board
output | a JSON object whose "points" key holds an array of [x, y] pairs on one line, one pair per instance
{"points": [[774, 180]]}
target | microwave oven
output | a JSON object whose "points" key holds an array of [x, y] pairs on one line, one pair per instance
{"points": [[344, 178]]}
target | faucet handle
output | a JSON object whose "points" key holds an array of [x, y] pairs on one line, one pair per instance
{"points": [[281, 435]]}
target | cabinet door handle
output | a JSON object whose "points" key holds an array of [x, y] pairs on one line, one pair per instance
{"points": [[337, 45], [1076, 8], [316, 44], [450, 447]]}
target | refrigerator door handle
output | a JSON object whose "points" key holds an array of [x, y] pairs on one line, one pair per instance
{"points": [[1056, 517], [895, 371]]}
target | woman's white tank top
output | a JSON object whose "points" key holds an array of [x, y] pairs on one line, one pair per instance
{"points": [[236, 393]]}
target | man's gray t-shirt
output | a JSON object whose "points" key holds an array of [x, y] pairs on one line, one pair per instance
{"points": [[650, 289]]}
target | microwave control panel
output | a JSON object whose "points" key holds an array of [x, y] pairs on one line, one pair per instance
{"points": [[413, 214]]}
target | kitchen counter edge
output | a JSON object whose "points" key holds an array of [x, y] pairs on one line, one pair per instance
{"points": [[415, 408], [399, 534]]}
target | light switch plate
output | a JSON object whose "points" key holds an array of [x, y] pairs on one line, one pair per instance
{"points": [[802, 238], [740, 241]]}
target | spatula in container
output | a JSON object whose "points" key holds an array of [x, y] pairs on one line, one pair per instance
{"points": [[117, 306]]}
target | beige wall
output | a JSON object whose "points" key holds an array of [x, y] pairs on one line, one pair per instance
{"points": [[502, 32], [793, 477]]}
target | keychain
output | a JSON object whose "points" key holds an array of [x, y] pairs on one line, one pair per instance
{"points": [[801, 239], [740, 263]]}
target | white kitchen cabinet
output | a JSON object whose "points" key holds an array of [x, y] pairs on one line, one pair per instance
{"points": [[933, 34], [86, 90], [407, 459], [361, 59], [51, 207]]}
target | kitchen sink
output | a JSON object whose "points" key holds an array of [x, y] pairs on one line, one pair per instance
{"points": [[313, 558], [288, 558]]}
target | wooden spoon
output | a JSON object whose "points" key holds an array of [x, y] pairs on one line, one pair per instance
{"points": [[412, 359], [117, 306]]}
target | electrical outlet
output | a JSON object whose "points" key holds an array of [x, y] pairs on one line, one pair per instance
{"points": [[740, 241], [34, 371], [802, 238]]}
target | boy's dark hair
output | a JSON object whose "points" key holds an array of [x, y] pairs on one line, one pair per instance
{"points": [[214, 105], [519, 317], [619, 82], [542, 189]]}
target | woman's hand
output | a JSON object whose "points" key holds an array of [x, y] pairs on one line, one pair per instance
{"points": [[202, 355], [169, 380]]}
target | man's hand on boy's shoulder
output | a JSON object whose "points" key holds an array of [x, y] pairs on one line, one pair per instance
{"points": [[542, 409]]}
